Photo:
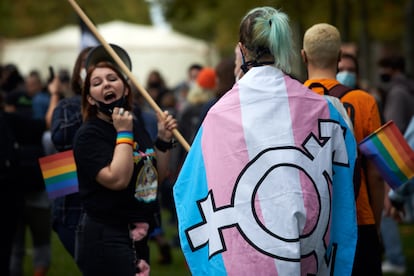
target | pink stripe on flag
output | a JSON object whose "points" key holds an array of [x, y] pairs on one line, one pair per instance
{"points": [[229, 165], [233, 155], [301, 126]]}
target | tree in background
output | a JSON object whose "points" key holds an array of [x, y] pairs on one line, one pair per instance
{"points": [[364, 22]]}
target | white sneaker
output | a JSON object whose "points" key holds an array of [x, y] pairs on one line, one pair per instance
{"points": [[388, 267]]}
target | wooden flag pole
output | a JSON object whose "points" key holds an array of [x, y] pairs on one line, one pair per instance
{"points": [[125, 69]]}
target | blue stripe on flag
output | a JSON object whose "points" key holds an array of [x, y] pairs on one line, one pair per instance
{"points": [[190, 214], [61, 185], [343, 208], [62, 192]]}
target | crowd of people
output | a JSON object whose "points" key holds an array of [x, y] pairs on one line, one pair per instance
{"points": [[244, 111]]}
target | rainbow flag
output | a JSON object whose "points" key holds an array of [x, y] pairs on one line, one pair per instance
{"points": [[390, 153], [59, 174], [266, 188]]}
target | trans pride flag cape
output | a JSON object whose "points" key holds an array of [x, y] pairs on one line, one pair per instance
{"points": [[266, 188]]}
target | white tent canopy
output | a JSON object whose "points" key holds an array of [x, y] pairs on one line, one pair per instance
{"points": [[149, 48]]}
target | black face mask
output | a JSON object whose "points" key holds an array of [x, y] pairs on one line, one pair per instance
{"points": [[244, 66], [109, 108], [252, 63], [385, 77]]}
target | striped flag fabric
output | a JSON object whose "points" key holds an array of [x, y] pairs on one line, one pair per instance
{"points": [[59, 174], [266, 188], [391, 154]]}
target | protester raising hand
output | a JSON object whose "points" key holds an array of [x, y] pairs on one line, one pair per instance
{"points": [[122, 119], [166, 124], [119, 168]]}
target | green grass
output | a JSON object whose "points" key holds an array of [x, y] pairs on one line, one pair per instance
{"points": [[63, 264], [407, 235]]}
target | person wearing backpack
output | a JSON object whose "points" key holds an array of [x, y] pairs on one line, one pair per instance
{"points": [[321, 52]]}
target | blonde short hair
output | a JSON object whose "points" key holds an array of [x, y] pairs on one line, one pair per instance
{"points": [[322, 44]]}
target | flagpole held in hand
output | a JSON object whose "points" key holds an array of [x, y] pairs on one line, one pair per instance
{"points": [[125, 69]]}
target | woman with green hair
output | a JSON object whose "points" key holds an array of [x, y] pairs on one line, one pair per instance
{"points": [[269, 173]]}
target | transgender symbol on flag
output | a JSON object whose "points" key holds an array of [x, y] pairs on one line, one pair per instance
{"points": [[244, 216], [59, 174]]}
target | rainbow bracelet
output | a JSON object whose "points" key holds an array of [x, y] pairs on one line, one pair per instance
{"points": [[125, 137]]}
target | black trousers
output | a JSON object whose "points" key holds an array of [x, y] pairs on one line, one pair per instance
{"points": [[105, 249], [368, 252]]}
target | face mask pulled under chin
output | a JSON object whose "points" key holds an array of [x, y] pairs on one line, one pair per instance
{"points": [[109, 108]]}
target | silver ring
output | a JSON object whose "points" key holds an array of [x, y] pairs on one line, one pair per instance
{"points": [[121, 111]]}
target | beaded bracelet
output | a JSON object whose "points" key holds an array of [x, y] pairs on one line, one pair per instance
{"points": [[125, 137], [163, 145]]}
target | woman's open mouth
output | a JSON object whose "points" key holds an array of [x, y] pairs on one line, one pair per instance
{"points": [[109, 96]]}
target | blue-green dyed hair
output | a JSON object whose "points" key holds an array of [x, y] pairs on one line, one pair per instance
{"points": [[265, 30]]}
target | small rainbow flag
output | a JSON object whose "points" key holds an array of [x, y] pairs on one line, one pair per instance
{"points": [[59, 174], [390, 153]]}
